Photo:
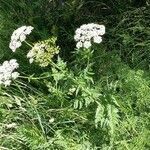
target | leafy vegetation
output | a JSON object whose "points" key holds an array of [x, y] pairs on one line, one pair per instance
{"points": [[85, 99]]}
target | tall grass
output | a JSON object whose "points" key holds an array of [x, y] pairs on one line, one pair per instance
{"points": [[96, 99]]}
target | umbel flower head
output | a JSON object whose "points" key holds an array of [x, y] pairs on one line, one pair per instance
{"points": [[7, 72], [19, 36], [88, 33], [43, 52]]}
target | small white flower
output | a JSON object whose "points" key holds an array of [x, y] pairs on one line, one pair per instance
{"points": [[31, 60], [15, 75], [7, 75], [51, 120], [78, 31], [29, 30], [7, 72], [12, 48], [7, 82], [19, 36], [22, 37], [82, 38], [18, 44], [12, 125], [101, 29], [30, 54], [20, 30], [71, 90], [97, 39], [79, 45], [84, 27], [94, 33], [87, 44], [77, 37], [13, 63]]}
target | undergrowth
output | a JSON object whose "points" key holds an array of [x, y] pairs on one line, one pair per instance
{"points": [[86, 99]]}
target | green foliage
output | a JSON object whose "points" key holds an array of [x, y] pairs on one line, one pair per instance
{"points": [[85, 99]]}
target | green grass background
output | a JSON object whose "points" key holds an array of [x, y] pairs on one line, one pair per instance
{"points": [[120, 120]]}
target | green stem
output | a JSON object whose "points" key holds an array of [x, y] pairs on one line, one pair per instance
{"points": [[54, 65], [28, 44], [34, 78]]}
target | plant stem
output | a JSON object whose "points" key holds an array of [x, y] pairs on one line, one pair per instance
{"points": [[28, 44]]}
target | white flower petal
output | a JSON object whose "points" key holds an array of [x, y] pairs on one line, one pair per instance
{"points": [[97, 39], [79, 45], [30, 54], [7, 83], [28, 30], [15, 75], [31, 60], [18, 44], [22, 37], [87, 44]]}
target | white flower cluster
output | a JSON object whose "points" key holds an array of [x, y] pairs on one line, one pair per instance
{"points": [[38, 49], [19, 36], [88, 33], [43, 51], [7, 71]]}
